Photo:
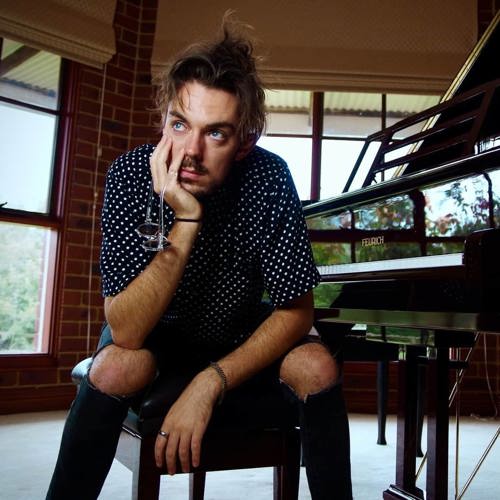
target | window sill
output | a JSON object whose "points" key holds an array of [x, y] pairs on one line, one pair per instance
{"points": [[20, 361]]}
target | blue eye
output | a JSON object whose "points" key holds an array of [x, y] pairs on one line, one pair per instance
{"points": [[178, 126], [217, 134]]}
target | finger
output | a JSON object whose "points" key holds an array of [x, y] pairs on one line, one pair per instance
{"points": [[158, 152], [171, 453], [160, 446], [196, 448], [158, 163], [176, 163], [184, 452]]}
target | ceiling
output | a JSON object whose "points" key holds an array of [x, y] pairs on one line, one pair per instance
{"points": [[348, 102]]}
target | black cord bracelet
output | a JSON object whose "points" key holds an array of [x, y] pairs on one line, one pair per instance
{"points": [[182, 219]]}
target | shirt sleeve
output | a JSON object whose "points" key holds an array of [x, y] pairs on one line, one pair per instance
{"points": [[287, 262], [125, 201]]}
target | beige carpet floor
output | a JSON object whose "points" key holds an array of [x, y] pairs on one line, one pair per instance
{"points": [[29, 443]]}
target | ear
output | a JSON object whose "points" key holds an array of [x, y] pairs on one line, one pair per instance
{"points": [[245, 147]]}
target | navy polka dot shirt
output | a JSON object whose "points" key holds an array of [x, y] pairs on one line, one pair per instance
{"points": [[253, 241]]}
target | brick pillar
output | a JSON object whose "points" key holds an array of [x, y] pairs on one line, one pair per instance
{"points": [[126, 123]]}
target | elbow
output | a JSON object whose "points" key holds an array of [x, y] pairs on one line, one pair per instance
{"points": [[124, 333], [129, 345], [300, 313], [126, 339]]}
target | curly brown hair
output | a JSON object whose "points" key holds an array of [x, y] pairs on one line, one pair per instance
{"points": [[227, 63]]}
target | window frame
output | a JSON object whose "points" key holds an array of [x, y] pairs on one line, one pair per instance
{"points": [[54, 219], [317, 136]]}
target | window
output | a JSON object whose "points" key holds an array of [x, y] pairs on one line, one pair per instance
{"points": [[320, 135], [30, 111], [289, 134]]}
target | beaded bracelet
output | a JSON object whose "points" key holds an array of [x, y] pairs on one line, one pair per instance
{"points": [[222, 376]]}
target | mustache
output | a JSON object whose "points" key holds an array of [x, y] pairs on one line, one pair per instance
{"points": [[193, 164]]}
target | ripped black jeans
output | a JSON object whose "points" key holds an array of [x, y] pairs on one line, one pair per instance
{"points": [[93, 427]]}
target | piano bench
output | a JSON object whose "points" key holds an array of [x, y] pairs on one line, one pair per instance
{"points": [[250, 429]]}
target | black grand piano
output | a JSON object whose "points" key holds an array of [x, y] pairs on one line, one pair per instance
{"points": [[412, 255]]}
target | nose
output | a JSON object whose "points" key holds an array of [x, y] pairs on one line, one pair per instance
{"points": [[194, 144]]}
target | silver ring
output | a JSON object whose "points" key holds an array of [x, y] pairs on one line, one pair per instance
{"points": [[163, 434]]}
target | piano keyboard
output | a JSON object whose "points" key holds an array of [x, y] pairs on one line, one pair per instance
{"points": [[381, 267]]}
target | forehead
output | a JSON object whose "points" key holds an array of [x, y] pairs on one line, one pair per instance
{"points": [[199, 102]]}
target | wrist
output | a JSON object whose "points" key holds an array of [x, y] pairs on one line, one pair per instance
{"points": [[219, 377], [188, 219], [194, 216]]}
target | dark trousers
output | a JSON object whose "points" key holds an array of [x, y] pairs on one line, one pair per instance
{"points": [[88, 444], [93, 428], [324, 430]]}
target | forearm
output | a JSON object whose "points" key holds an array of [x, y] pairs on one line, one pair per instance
{"points": [[134, 312], [272, 339]]}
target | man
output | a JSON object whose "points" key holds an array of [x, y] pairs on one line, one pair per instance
{"points": [[235, 230]]}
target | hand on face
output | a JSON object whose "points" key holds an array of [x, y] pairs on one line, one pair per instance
{"points": [[165, 173]]}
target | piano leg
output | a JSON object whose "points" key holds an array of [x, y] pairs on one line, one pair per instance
{"points": [[382, 391], [407, 425], [405, 487], [421, 397], [437, 424]]}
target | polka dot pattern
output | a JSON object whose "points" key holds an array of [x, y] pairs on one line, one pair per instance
{"points": [[253, 239]]}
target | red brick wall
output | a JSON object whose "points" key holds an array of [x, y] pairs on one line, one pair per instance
{"points": [[125, 124], [480, 387], [42, 384], [127, 95]]}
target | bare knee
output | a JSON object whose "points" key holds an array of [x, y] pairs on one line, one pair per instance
{"points": [[308, 369], [120, 371]]}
